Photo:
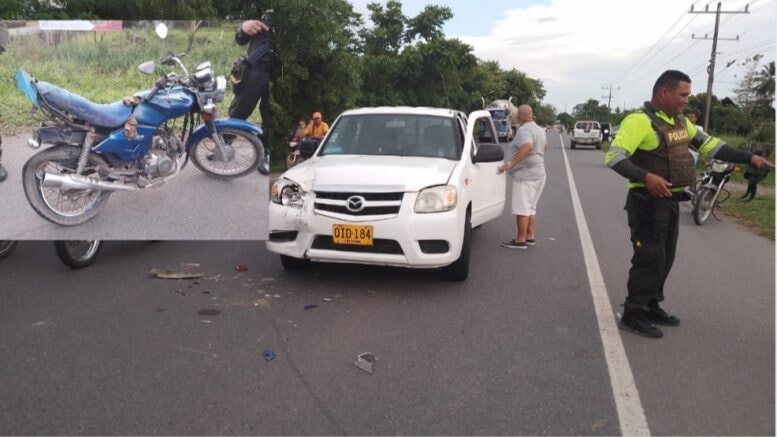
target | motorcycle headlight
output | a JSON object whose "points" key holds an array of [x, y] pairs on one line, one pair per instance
{"points": [[719, 166], [287, 193], [436, 199]]}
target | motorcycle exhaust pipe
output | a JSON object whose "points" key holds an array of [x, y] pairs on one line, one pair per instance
{"points": [[76, 182]]}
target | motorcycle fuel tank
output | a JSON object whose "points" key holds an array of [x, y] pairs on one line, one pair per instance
{"points": [[164, 106]]}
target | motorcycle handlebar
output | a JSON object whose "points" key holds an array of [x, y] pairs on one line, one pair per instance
{"points": [[158, 85]]}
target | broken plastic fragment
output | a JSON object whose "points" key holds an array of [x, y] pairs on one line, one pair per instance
{"points": [[364, 361], [169, 274], [268, 355]]}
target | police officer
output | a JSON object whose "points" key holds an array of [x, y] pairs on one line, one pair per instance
{"points": [[651, 150], [4, 40], [254, 84]]}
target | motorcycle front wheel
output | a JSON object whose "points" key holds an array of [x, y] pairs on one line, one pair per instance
{"points": [[244, 153], [55, 204], [77, 254], [702, 207], [6, 247]]}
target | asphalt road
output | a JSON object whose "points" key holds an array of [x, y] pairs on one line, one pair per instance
{"points": [[191, 206], [514, 350]]}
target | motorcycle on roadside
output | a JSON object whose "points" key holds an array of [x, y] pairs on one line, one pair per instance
{"points": [[710, 191], [132, 144]]}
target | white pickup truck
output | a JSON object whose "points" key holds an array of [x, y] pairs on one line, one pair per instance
{"points": [[586, 133], [394, 186]]}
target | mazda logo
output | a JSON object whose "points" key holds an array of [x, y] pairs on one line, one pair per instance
{"points": [[355, 203]]}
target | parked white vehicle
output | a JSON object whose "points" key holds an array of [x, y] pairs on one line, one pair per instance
{"points": [[586, 133], [395, 186]]}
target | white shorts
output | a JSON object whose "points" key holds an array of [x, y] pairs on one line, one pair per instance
{"points": [[526, 194]]}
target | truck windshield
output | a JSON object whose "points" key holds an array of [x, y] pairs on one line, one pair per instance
{"points": [[395, 135]]}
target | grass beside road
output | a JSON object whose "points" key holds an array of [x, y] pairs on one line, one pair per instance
{"points": [[103, 67], [757, 214]]}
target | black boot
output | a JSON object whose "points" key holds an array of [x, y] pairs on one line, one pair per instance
{"points": [[635, 320], [660, 317], [3, 173]]}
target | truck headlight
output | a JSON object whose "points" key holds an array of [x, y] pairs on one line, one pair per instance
{"points": [[436, 199], [287, 193]]}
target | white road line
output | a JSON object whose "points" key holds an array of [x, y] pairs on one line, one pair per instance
{"points": [[630, 413]]}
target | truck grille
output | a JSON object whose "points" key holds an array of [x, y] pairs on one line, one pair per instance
{"points": [[380, 245], [358, 204]]}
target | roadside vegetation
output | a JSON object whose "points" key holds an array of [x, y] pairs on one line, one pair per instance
{"points": [[103, 67]]}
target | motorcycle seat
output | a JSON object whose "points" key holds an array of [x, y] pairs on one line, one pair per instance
{"points": [[111, 115]]}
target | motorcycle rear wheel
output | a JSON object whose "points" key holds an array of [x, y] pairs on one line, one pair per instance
{"points": [[245, 153], [703, 206], [63, 207], [77, 254]]}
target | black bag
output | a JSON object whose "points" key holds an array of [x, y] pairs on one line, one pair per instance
{"points": [[238, 73]]}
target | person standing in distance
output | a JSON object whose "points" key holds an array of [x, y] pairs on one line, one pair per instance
{"points": [[254, 84], [527, 168], [317, 128], [651, 151]]}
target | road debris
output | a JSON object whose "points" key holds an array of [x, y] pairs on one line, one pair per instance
{"points": [[268, 355], [241, 268], [209, 312], [213, 278], [551, 239], [206, 321], [277, 296], [170, 274], [364, 361], [310, 307], [267, 280], [328, 299], [193, 265]]}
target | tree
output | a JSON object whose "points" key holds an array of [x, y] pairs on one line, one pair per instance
{"points": [[764, 84]]}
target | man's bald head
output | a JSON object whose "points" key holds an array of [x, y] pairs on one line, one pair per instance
{"points": [[525, 113]]}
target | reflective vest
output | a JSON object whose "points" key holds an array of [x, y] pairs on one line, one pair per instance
{"points": [[670, 159]]}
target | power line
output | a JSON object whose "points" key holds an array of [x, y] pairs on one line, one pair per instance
{"points": [[653, 47]]}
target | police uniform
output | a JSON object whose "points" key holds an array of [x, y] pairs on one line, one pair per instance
{"points": [[254, 84], [649, 140]]}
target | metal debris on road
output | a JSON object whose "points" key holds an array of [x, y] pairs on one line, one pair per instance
{"points": [[310, 307], [169, 274], [364, 361], [268, 355]]}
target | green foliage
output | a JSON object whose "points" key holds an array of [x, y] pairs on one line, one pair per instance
{"points": [[102, 67], [324, 57], [758, 213]]}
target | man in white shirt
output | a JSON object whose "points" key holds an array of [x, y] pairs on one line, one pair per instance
{"points": [[527, 168]]}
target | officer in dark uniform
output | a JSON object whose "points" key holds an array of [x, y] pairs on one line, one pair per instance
{"points": [[4, 40], [254, 84], [651, 150]]}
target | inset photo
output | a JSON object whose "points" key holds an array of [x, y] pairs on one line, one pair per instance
{"points": [[147, 130]]}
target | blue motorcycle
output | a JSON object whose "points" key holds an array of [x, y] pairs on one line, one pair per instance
{"points": [[132, 144]]}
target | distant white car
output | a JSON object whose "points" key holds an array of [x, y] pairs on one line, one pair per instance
{"points": [[394, 186], [586, 133]]}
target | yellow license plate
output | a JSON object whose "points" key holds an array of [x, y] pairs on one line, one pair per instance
{"points": [[352, 234]]}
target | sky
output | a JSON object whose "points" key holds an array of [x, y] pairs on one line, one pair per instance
{"points": [[581, 48]]}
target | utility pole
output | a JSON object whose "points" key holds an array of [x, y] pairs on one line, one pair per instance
{"points": [[609, 98], [711, 67]]}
